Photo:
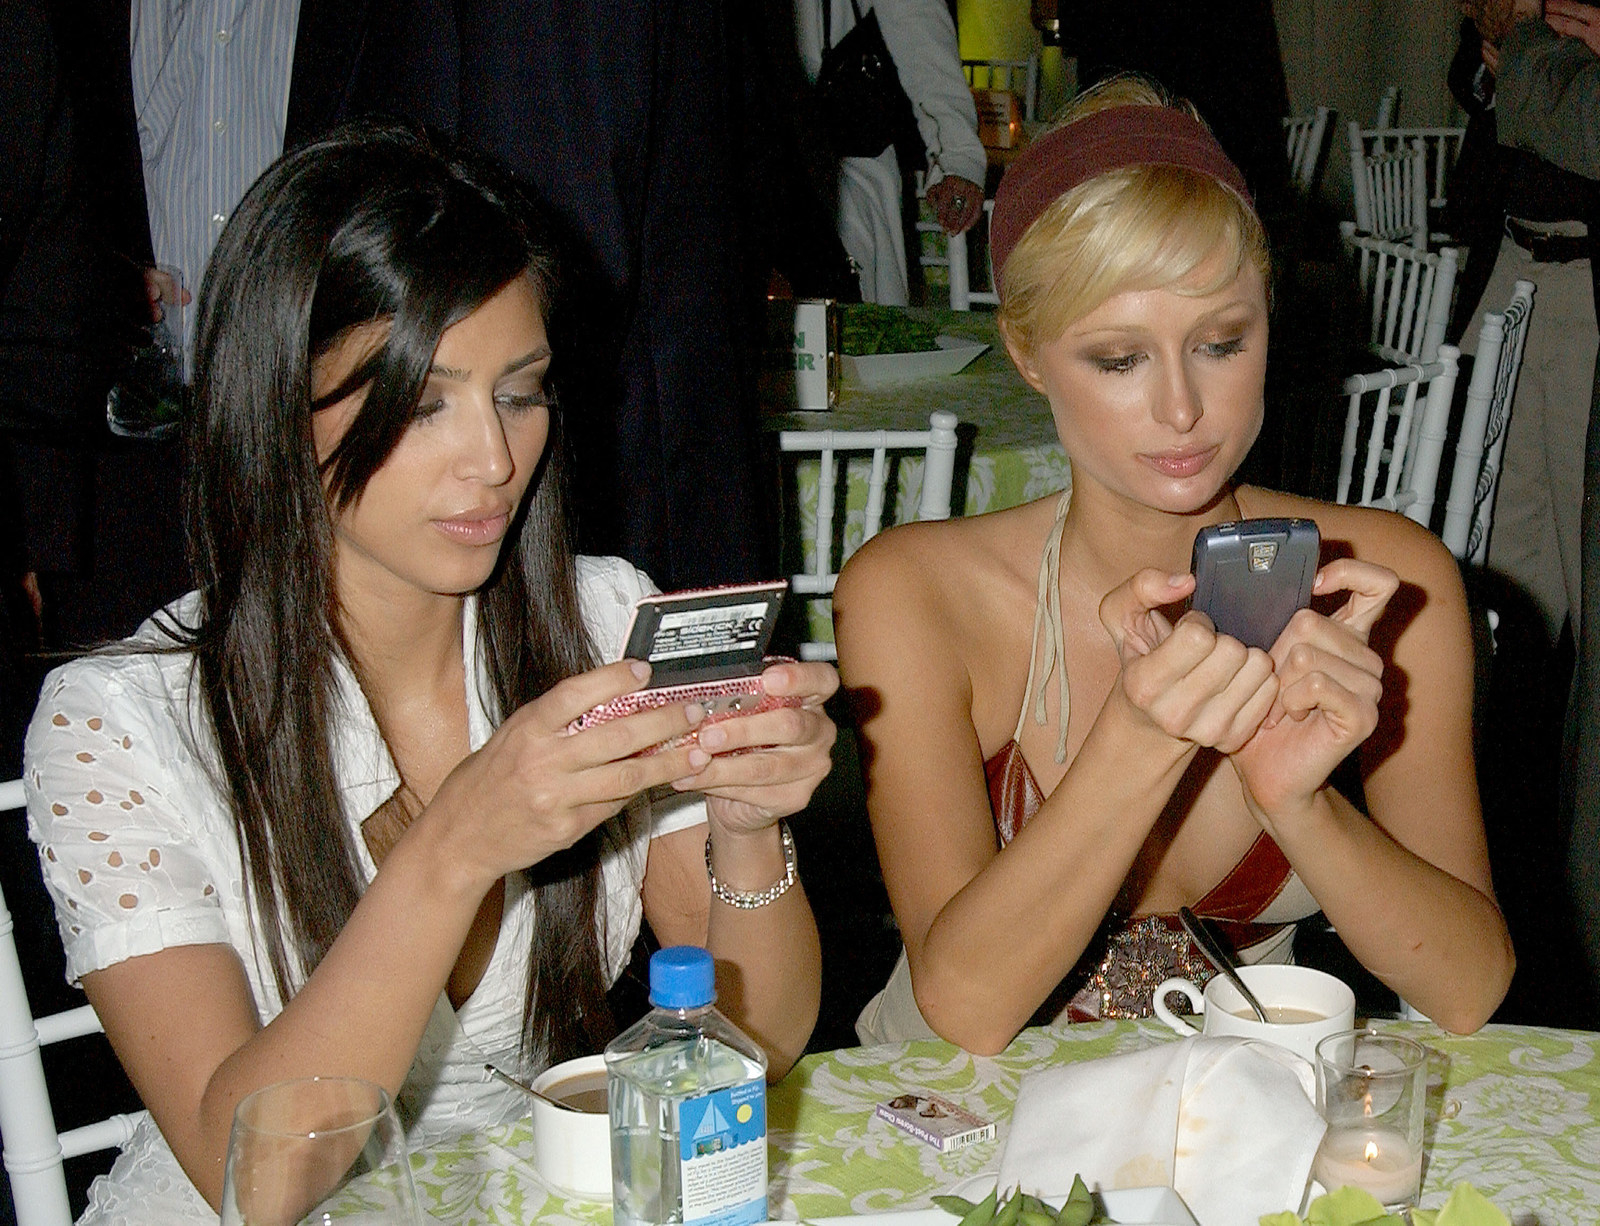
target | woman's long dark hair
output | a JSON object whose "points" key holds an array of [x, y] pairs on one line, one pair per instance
{"points": [[376, 222]]}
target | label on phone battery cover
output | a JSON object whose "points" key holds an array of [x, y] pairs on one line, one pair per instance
{"points": [[722, 1152], [713, 631]]}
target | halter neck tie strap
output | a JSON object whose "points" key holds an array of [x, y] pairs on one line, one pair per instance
{"points": [[1047, 652]]}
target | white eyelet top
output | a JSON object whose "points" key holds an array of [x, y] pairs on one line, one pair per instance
{"points": [[139, 852]]}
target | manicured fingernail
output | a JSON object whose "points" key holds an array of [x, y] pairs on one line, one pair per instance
{"points": [[694, 713], [1175, 580], [699, 758], [1317, 582], [640, 669], [714, 737]]}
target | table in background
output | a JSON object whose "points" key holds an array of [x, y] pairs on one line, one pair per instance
{"points": [[1515, 1110], [1008, 452], [1009, 449]]}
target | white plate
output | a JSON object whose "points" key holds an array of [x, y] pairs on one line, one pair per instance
{"points": [[1129, 1206], [882, 369]]}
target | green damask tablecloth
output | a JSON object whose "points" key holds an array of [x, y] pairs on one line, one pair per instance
{"points": [[1514, 1110], [1009, 453]]}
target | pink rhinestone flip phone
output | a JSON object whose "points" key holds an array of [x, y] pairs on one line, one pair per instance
{"points": [[706, 646]]}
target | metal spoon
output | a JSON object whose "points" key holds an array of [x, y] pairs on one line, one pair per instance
{"points": [[1219, 955], [526, 1088]]}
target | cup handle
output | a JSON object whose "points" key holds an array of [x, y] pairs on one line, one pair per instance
{"points": [[1196, 999]]}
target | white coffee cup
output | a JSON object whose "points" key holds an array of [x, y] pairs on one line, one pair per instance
{"points": [[1318, 1005], [572, 1149]]}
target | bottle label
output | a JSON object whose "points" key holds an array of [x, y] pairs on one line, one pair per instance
{"points": [[722, 1153]]}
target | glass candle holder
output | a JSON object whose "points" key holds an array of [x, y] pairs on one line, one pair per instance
{"points": [[1371, 1091]]}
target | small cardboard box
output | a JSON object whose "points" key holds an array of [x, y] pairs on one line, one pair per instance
{"points": [[801, 365], [936, 1121]]}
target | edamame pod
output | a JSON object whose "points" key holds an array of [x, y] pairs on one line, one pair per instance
{"points": [[982, 1213]]}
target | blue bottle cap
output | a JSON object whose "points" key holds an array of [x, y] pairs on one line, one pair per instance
{"points": [[682, 977]]}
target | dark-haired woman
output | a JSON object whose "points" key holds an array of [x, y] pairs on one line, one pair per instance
{"points": [[322, 816]]}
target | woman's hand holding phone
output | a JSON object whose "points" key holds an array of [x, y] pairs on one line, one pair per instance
{"points": [[1184, 678], [535, 788], [766, 766], [1330, 685]]}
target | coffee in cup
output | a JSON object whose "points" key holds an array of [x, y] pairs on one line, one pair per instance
{"points": [[572, 1140], [581, 1092], [1303, 1006]]}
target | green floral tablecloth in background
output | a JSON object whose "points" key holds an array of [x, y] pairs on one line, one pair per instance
{"points": [[1009, 453], [1514, 1110]]}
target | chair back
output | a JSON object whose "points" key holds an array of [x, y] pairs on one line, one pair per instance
{"points": [[950, 251], [34, 1150], [1390, 190], [1020, 77], [1441, 145], [1307, 139], [1408, 293], [1399, 418], [1388, 107], [1469, 508], [831, 525]]}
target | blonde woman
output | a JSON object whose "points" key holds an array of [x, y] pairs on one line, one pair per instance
{"points": [[1037, 837]]}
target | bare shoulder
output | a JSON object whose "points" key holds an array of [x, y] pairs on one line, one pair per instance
{"points": [[942, 591], [1370, 535], [944, 566]]}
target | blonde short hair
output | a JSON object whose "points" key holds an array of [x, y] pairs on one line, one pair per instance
{"points": [[1134, 228]]}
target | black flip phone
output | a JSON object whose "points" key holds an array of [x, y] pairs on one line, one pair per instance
{"points": [[1253, 575]]}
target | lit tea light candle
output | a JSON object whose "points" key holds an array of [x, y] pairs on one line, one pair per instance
{"points": [[1377, 1160]]}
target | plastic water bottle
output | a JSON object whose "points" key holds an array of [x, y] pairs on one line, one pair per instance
{"points": [[688, 1096]]}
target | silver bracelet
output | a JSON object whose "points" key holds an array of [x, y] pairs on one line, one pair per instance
{"points": [[757, 898]]}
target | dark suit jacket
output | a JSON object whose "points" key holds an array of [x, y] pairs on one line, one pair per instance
{"points": [[70, 213], [620, 113]]}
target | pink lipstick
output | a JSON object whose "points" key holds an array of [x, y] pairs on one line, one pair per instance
{"points": [[474, 527], [1180, 464]]}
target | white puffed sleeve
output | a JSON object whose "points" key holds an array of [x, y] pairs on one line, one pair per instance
{"points": [[113, 807]]}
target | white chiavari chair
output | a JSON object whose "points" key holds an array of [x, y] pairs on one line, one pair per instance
{"points": [[1390, 190], [830, 528], [34, 1150], [1408, 293], [1469, 507], [1306, 137], [1397, 420]]}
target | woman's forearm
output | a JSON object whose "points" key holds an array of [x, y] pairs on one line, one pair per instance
{"points": [[363, 1010], [769, 958], [1000, 946], [1437, 941]]}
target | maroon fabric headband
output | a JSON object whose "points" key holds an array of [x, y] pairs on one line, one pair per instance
{"points": [[1107, 140]]}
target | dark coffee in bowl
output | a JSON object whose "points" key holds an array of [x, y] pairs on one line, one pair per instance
{"points": [[585, 1092]]}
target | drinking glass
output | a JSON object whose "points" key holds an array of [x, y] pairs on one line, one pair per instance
{"points": [[317, 1151], [1371, 1090]]}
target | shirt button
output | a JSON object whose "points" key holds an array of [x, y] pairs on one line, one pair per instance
{"points": [[219, 126], [222, 38], [218, 218]]}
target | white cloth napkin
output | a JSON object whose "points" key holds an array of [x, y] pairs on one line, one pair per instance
{"points": [[1227, 1122]]}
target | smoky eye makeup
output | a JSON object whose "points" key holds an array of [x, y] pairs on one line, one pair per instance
{"points": [[1115, 362]]}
